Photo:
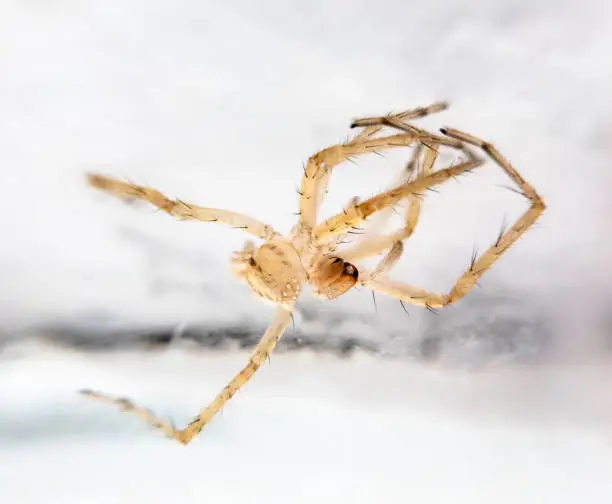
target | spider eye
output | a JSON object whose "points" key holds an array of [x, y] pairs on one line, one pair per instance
{"points": [[350, 270]]}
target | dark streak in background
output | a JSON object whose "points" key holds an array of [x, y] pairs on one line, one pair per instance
{"points": [[485, 328]]}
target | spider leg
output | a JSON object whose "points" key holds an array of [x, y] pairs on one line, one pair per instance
{"points": [[478, 265], [263, 349], [407, 293], [378, 281], [393, 121], [181, 209], [407, 115], [374, 244], [385, 264], [356, 214], [320, 165]]}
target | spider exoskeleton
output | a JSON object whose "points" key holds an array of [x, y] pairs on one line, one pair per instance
{"points": [[279, 268]]}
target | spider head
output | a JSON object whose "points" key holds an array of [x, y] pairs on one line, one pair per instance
{"points": [[273, 271], [332, 276]]}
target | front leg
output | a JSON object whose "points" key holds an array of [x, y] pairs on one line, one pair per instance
{"points": [[356, 214], [180, 209], [319, 166], [376, 244]]}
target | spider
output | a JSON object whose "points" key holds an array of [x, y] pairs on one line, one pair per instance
{"points": [[279, 268]]}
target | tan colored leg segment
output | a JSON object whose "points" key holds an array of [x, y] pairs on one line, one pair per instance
{"points": [[479, 265], [394, 122], [407, 115], [375, 245], [263, 349], [356, 214], [180, 209], [319, 166], [385, 265]]}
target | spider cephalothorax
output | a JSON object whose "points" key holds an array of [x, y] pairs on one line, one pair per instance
{"points": [[278, 269]]}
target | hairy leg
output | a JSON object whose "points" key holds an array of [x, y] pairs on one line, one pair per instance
{"points": [[392, 121], [180, 209], [263, 349], [384, 265], [478, 265], [376, 244], [319, 166], [379, 282], [356, 214], [407, 115]]}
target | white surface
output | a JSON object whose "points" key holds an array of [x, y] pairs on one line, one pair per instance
{"points": [[306, 429]]}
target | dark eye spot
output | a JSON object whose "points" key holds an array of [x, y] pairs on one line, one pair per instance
{"points": [[350, 270], [252, 262], [336, 260]]}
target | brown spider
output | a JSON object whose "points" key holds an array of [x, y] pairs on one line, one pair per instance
{"points": [[278, 269]]}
